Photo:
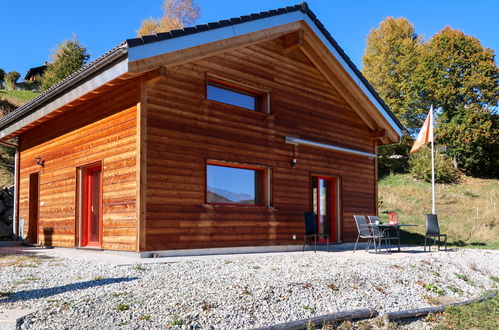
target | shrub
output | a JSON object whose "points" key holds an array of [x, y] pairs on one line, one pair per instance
{"points": [[420, 167]]}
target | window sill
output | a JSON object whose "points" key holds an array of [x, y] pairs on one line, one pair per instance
{"points": [[230, 107], [244, 206]]}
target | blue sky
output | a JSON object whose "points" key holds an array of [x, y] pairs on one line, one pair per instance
{"points": [[32, 28]]}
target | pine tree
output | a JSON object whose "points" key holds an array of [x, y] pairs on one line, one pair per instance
{"points": [[176, 14], [69, 57]]}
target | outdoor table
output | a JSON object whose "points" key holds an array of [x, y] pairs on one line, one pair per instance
{"points": [[387, 227]]}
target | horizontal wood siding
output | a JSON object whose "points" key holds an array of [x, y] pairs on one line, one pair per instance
{"points": [[184, 130], [101, 130]]}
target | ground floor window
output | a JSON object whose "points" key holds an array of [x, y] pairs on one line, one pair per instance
{"points": [[235, 184]]}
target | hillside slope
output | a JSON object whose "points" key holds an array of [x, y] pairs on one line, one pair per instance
{"points": [[467, 212], [9, 100]]}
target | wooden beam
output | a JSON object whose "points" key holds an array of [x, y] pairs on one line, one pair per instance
{"points": [[292, 40], [212, 48], [378, 134], [159, 74], [141, 165]]}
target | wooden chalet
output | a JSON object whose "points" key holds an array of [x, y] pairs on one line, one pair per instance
{"points": [[216, 137], [35, 74]]}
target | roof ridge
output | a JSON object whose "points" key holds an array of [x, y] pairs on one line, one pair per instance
{"points": [[150, 38]]}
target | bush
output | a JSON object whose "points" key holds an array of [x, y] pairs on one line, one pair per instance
{"points": [[420, 166], [11, 79], [394, 158]]}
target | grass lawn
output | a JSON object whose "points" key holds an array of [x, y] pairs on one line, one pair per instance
{"points": [[467, 212], [17, 98], [482, 315]]}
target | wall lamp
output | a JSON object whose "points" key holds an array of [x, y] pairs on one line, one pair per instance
{"points": [[39, 161]]}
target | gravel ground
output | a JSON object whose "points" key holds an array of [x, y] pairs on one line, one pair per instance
{"points": [[236, 292]]}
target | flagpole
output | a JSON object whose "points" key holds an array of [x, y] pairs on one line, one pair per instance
{"points": [[433, 211]]}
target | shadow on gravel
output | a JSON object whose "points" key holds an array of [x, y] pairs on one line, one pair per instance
{"points": [[47, 292]]}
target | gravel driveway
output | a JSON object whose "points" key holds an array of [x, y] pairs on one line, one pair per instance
{"points": [[236, 292]]}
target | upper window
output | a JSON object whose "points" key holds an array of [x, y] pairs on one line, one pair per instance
{"points": [[233, 95], [228, 184]]}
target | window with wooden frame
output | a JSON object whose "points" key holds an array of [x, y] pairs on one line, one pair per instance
{"points": [[236, 184], [236, 95]]}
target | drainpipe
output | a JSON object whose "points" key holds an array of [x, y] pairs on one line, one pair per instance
{"points": [[15, 225]]}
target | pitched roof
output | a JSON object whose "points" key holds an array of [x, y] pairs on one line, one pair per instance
{"points": [[36, 71], [121, 51]]}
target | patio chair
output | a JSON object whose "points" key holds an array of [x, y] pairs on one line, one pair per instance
{"points": [[433, 230], [365, 232], [311, 231], [381, 235]]}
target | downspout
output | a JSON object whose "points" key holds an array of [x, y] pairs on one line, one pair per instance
{"points": [[15, 225]]}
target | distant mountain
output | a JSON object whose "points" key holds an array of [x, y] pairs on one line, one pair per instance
{"points": [[231, 196], [216, 198]]}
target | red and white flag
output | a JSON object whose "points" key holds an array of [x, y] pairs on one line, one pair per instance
{"points": [[426, 133]]}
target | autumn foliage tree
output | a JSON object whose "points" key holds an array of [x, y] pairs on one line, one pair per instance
{"points": [[176, 15], [69, 57], [389, 62]]}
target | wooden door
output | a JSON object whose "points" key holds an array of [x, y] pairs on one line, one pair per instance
{"points": [[91, 226], [324, 201], [34, 201]]}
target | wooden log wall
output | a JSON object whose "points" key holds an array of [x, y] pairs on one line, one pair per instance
{"points": [[184, 130], [99, 130]]}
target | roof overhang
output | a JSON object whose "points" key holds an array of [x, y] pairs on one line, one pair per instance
{"points": [[135, 58]]}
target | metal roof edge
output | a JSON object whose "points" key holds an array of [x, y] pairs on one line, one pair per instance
{"points": [[78, 77]]}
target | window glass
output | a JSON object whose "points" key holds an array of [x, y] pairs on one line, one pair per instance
{"points": [[234, 185], [233, 96]]}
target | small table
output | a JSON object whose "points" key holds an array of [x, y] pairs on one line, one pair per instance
{"points": [[387, 227]]}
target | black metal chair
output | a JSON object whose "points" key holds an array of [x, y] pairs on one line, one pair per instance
{"points": [[382, 234], [433, 230], [311, 231], [365, 232]]}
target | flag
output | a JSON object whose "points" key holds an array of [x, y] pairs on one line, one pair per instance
{"points": [[426, 133]]}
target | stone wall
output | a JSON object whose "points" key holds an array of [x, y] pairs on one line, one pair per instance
{"points": [[6, 213]]}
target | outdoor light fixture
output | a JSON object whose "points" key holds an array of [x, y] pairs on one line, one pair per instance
{"points": [[39, 161]]}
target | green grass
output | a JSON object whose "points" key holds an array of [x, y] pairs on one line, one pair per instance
{"points": [[122, 307], [456, 205], [17, 98], [483, 315]]}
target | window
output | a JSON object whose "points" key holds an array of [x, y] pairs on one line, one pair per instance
{"points": [[236, 96], [235, 184]]}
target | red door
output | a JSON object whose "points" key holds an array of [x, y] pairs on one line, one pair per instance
{"points": [[324, 201], [91, 227]]}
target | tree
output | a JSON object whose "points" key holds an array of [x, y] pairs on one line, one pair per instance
{"points": [[176, 14], [11, 79], [2, 75], [389, 63], [69, 57], [454, 73], [460, 76]]}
